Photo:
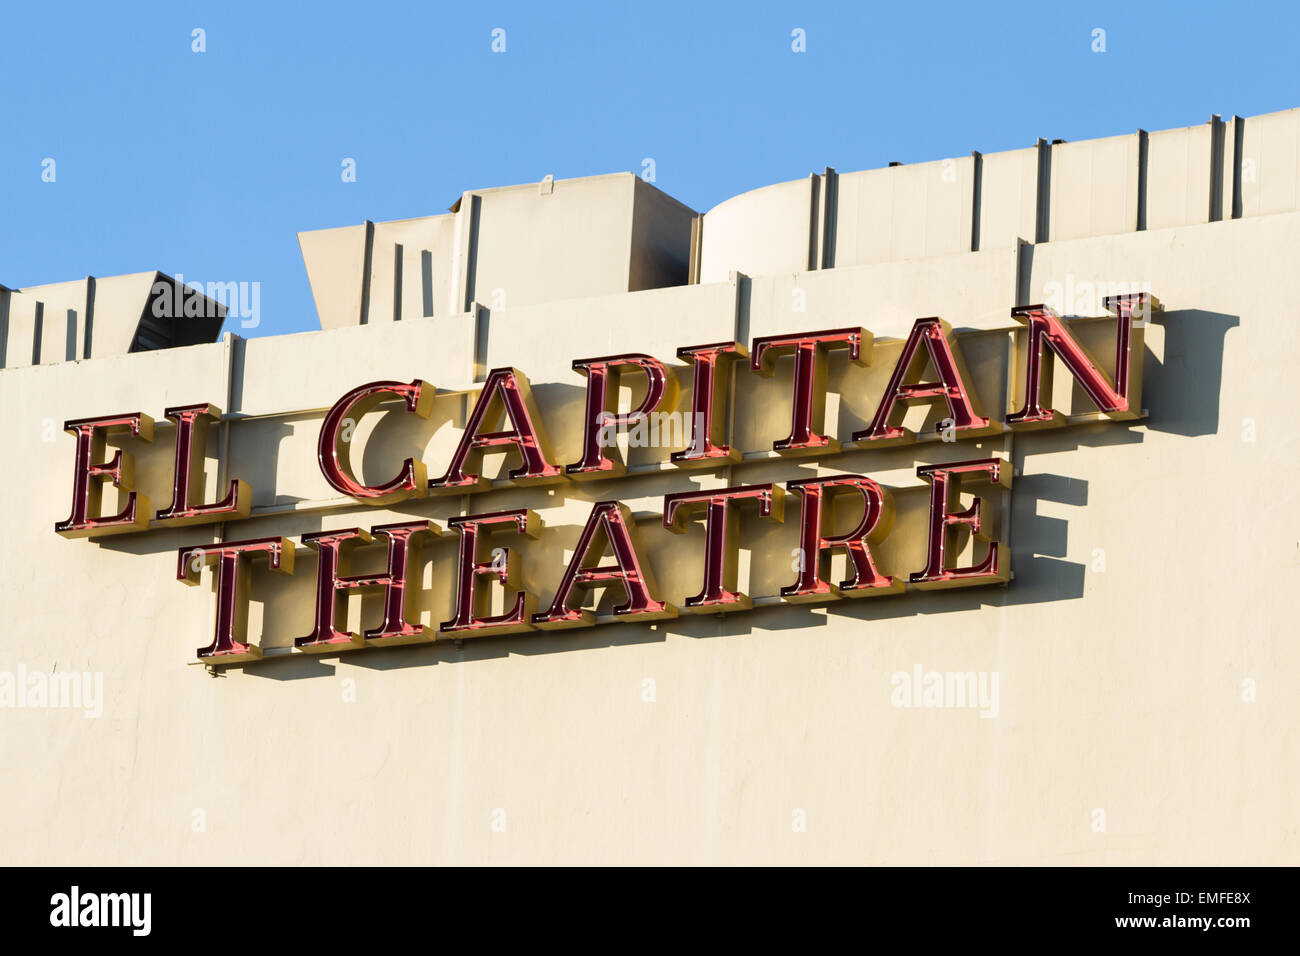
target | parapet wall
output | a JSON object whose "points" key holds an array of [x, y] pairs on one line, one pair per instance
{"points": [[1050, 192]]}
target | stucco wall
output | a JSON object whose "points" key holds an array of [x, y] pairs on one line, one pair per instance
{"points": [[1153, 562]]}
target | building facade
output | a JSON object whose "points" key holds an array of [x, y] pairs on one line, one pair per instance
{"points": [[935, 514]]}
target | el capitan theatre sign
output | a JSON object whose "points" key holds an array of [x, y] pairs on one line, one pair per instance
{"points": [[503, 417]]}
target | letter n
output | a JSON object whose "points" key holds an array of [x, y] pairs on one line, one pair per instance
{"points": [[1044, 328]]}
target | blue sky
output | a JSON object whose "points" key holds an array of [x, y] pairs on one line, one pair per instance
{"points": [[208, 164]]}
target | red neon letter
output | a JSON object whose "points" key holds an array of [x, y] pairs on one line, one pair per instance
{"points": [[945, 490], [332, 586], [470, 618], [720, 544], [231, 558], [809, 411], [1046, 328], [708, 402], [333, 450], [509, 388], [90, 471], [905, 387], [603, 376], [191, 441], [614, 519], [814, 547]]}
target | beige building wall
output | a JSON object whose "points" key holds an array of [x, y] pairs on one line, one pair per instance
{"points": [[1152, 562], [1094, 187], [904, 212], [99, 317], [1180, 162], [1270, 163], [502, 248]]}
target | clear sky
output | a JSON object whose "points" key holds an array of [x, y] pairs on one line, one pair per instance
{"points": [[208, 164]]}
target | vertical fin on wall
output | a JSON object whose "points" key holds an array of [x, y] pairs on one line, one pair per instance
{"points": [[482, 319], [1216, 168], [1143, 166], [426, 282], [398, 252], [697, 248], [1042, 217], [70, 337], [740, 326], [38, 332], [977, 188], [1238, 141], [739, 307], [1023, 268], [365, 272], [814, 207], [87, 340], [471, 253], [4, 324], [830, 216]]}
